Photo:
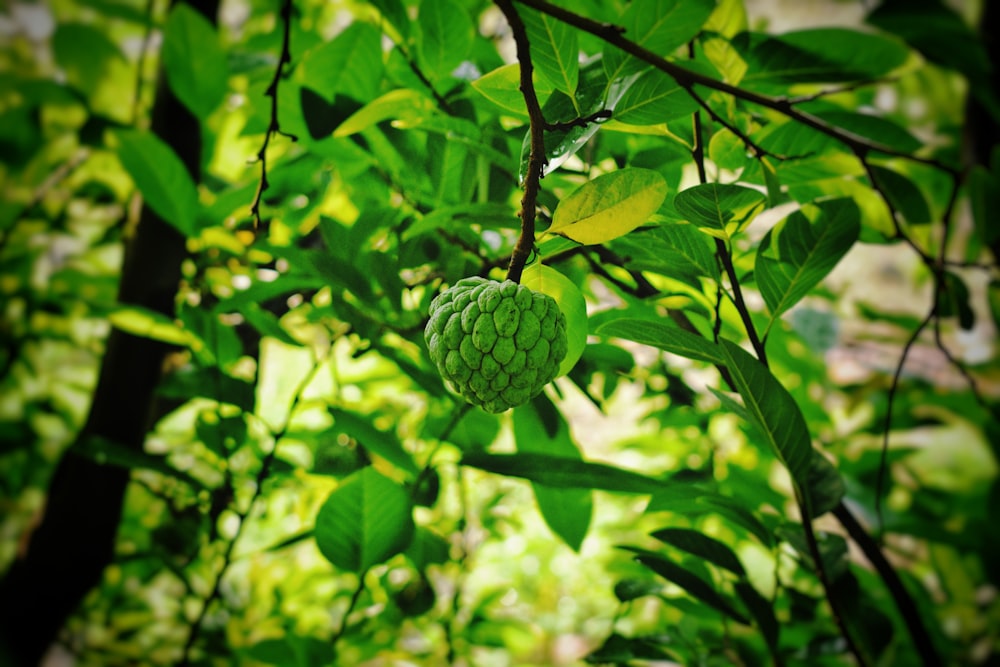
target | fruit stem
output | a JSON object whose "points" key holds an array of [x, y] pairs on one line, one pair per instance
{"points": [[536, 154]]}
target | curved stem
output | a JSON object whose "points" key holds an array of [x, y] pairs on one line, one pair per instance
{"points": [[536, 154]]}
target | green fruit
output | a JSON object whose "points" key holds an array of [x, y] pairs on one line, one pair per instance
{"points": [[497, 343]]}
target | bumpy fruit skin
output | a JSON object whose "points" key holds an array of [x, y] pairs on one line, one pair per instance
{"points": [[497, 343]]}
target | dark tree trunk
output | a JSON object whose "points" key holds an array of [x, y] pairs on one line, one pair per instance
{"points": [[74, 542]]}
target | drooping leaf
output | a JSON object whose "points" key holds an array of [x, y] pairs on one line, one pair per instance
{"points": [[654, 98], [954, 301], [826, 487], [383, 443], [818, 55], [660, 26], [444, 36], [772, 410], [112, 453], [146, 323], [720, 209], [365, 521], [610, 205], [798, 252], [667, 337], [567, 512], [692, 583], [881, 131], [761, 610], [563, 473], [545, 279], [350, 64], [697, 501], [554, 49], [161, 177], [194, 61], [698, 544], [502, 87]]}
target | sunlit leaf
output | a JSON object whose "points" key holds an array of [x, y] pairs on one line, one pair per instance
{"points": [[798, 252], [502, 87], [365, 521], [672, 249], [194, 61], [539, 427], [147, 323], [401, 105], [609, 206], [161, 177], [721, 209], [547, 280]]}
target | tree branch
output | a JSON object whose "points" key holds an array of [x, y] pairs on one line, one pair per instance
{"points": [[536, 154]]}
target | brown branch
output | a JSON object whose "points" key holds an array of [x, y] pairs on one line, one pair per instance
{"points": [[596, 117], [273, 127], [536, 154]]}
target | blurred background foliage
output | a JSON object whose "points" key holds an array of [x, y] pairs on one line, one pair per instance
{"points": [[294, 359]]}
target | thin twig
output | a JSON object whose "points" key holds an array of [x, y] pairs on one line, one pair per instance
{"points": [[273, 126], [596, 117], [536, 153]]}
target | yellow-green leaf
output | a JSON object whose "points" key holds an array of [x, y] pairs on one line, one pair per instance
{"points": [[609, 206], [547, 280]]}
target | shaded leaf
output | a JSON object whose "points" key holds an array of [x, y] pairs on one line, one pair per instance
{"points": [[194, 61], [350, 64], [609, 206], [384, 443], [444, 36], [654, 98], [674, 249], [667, 337], [720, 209], [161, 177], [825, 487], [554, 49], [660, 26], [761, 610], [563, 473], [698, 544], [692, 584], [798, 252], [365, 521], [772, 410], [567, 512], [401, 105]]}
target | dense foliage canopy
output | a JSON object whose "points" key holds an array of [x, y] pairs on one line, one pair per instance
{"points": [[773, 438]]}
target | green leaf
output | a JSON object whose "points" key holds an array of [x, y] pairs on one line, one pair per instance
{"points": [[502, 87], [674, 249], [825, 487], [720, 209], [818, 55], [903, 194], [194, 62], [567, 512], [561, 472], [84, 53], [772, 410], [881, 131], [383, 443], [146, 323], [954, 301], [660, 26], [161, 178], [667, 337], [798, 252], [609, 206], [547, 280], [654, 98], [554, 49], [365, 521], [404, 106], [350, 64], [697, 501], [444, 36], [109, 452], [762, 611], [692, 584], [698, 544]]}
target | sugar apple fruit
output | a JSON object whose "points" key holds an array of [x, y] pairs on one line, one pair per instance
{"points": [[497, 343]]}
